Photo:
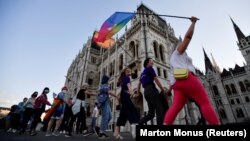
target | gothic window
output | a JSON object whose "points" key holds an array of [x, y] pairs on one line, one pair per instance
{"points": [[238, 100], [215, 89], [132, 48], [242, 87], [137, 50], [232, 102], [228, 90], [243, 41], [93, 59], [248, 51], [162, 53], [247, 84], [165, 73], [110, 69], [223, 114], [239, 113], [220, 102], [233, 89], [121, 62], [155, 49], [247, 99], [159, 71]]}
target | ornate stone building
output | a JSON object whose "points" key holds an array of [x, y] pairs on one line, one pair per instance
{"points": [[151, 36], [230, 89]]}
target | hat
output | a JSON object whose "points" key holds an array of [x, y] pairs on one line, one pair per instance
{"points": [[65, 88], [105, 79]]}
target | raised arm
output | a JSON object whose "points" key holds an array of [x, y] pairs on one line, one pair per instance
{"points": [[188, 36]]}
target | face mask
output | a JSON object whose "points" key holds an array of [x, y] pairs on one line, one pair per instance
{"points": [[65, 91], [46, 91]]}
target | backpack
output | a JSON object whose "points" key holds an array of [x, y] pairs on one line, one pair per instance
{"points": [[102, 97]]}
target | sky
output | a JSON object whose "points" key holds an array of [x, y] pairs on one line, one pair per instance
{"points": [[39, 39]]}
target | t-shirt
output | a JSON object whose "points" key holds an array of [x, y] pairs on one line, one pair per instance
{"points": [[125, 81], [178, 60], [95, 112], [147, 76]]}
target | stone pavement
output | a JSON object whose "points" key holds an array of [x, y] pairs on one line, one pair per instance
{"points": [[8, 136]]}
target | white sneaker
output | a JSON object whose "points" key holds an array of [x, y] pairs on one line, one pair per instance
{"points": [[9, 130], [14, 130]]}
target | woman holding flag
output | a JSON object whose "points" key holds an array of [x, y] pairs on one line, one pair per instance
{"points": [[190, 87]]}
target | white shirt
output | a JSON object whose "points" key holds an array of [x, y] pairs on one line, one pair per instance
{"points": [[178, 60], [95, 112]]}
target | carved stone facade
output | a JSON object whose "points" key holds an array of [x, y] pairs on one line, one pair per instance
{"points": [[230, 89]]}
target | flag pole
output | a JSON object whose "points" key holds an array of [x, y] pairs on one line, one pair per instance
{"points": [[163, 15], [101, 53], [115, 82], [122, 47]]}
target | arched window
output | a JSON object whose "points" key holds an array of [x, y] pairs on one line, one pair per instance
{"points": [[247, 84], [121, 62], [228, 90], [110, 69], [215, 89], [137, 50], [223, 114], [132, 48], [165, 74], [242, 87], [233, 89], [161, 53], [247, 99], [232, 102], [155, 49], [239, 113]]}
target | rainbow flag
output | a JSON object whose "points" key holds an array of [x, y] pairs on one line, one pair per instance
{"points": [[112, 25], [106, 44], [56, 103]]}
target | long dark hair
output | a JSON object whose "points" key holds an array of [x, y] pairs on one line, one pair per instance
{"points": [[123, 74], [145, 63], [45, 89]]}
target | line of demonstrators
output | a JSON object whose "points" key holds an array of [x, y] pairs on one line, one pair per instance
{"points": [[68, 115]]}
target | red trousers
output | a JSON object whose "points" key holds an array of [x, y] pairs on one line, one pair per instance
{"points": [[190, 88]]}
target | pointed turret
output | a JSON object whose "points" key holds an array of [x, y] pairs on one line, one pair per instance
{"points": [[215, 66], [237, 30], [208, 63]]}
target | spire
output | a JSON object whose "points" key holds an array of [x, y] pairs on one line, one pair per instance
{"points": [[237, 30], [208, 64], [216, 67]]}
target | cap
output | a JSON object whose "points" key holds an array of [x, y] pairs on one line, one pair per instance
{"points": [[65, 88]]}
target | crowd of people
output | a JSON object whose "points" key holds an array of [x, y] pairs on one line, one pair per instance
{"points": [[68, 114]]}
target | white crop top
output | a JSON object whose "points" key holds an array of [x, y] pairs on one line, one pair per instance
{"points": [[178, 60]]}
